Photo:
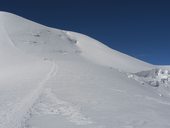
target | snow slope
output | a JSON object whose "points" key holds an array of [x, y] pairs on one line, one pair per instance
{"points": [[54, 78], [38, 39]]}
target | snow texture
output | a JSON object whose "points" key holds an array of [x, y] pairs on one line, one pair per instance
{"points": [[55, 78]]}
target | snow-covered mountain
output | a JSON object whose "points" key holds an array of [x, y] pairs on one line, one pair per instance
{"points": [[54, 78]]}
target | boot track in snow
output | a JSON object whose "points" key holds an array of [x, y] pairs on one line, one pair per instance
{"points": [[16, 117]]}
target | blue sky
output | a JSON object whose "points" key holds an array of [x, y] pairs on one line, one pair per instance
{"points": [[138, 28]]}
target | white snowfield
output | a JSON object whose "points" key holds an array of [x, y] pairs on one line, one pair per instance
{"points": [[50, 78]]}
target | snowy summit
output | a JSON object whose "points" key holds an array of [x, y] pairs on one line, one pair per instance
{"points": [[52, 78]]}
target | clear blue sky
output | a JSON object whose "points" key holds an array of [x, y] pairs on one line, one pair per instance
{"points": [[138, 28]]}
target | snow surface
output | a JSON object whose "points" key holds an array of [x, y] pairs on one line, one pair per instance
{"points": [[54, 78]]}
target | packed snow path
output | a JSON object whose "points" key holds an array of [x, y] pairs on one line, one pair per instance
{"points": [[13, 114]]}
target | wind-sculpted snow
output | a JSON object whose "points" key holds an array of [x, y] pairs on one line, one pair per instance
{"points": [[55, 78], [154, 77]]}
